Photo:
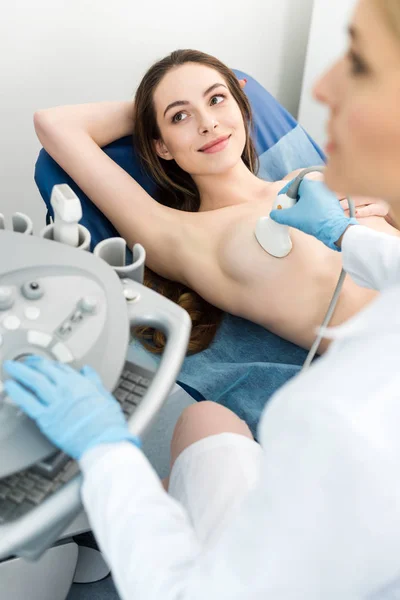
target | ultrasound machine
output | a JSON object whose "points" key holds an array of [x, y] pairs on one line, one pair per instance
{"points": [[60, 301]]}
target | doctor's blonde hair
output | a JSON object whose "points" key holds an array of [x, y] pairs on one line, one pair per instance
{"points": [[177, 190]]}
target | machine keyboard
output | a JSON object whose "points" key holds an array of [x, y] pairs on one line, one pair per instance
{"points": [[22, 491]]}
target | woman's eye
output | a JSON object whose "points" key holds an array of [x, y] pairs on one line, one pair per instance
{"points": [[180, 116], [217, 99], [358, 67]]}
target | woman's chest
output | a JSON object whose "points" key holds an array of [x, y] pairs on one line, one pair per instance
{"points": [[274, 288], [243, 258]]}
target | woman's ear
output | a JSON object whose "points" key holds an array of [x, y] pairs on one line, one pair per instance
{"points": [[162, 150]]}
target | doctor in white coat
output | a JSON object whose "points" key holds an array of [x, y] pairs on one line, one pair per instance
{"points": [[313, 511]]}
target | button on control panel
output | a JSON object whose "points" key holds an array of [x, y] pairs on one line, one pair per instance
{"points": [[85, 308], [11, 322], [39, 338], [88, 304], [77, 317], [32, 313], [62, 353], [65, 329], [32, 290], [7, 297]]}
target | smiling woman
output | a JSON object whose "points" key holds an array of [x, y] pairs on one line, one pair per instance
{"points": [[174, 160]]}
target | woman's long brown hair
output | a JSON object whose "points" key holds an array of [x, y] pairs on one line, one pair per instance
{"points": [[177, 189]]}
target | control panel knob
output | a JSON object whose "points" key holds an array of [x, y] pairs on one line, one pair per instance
{"points": [[7, 297], [32, 290], [88, 304]]}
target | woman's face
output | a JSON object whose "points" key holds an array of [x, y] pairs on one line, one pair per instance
{"points": [[194, 110], [362, 91]]}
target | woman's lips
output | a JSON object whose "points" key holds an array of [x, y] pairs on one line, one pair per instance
{"points": [[330, 147], [216, 146]]}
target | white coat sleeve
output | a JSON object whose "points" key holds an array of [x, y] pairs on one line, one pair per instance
{"points": [[371, 258], [144, 534]]}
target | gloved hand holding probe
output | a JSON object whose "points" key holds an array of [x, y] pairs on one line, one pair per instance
{"points": [[317, 212]]}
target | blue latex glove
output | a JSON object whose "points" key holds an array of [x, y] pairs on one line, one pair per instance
{"points": [[72, 409], [318, 212]]}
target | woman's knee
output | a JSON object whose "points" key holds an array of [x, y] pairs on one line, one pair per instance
{"points": [[201, 420]]}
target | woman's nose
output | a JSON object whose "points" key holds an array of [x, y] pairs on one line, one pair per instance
{"points": [[207, 123], [320, 89], [327, 87]]}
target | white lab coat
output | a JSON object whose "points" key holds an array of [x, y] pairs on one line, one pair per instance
{"points": [[324, 520]]}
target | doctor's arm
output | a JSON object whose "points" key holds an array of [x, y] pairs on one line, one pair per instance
{"points": [[371, 258]]}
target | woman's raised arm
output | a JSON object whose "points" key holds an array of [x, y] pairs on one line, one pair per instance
{"points": [[103, 121], [73, 136]]}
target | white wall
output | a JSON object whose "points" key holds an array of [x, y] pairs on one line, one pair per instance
{"points": [[56, 52], [328, 40]]}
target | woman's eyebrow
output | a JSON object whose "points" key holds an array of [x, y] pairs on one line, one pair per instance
{"points": [[212, 87], [185, 102], [354, 34]]}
